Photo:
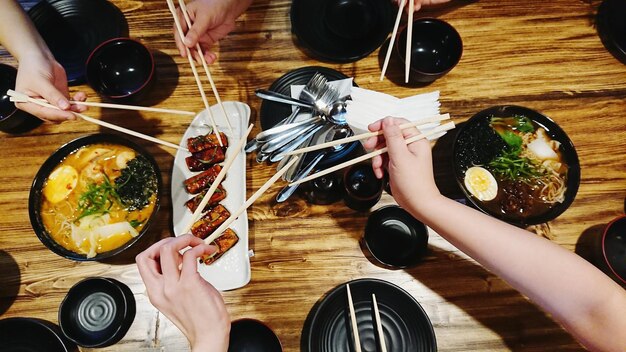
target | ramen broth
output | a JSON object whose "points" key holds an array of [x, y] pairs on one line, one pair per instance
{"points": [[82, 179]]}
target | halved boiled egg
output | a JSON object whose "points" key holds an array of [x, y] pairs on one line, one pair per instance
{"points": [[481, 183], [60, 184]]}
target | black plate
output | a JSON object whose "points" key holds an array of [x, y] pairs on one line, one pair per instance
{"points": [[567, 149], [611, 21], [249, 335], [32, 335], [342, 30], [271, 112], [73, 28], [405, 323]]}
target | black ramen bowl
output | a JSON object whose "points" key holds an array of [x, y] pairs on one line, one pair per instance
{"points": [[611, 22], [97, 312], [120, 69], [32, 335], [436, 47], [395, 238], [12, 119], [250, 335], [475, 137], [341, 30], [614, 247], [35, 199]]}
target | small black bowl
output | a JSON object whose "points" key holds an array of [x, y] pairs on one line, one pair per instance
{"points": [[611, 22], [97, 312], [12, 119], [395, 238], [32, 335], [250, 335], [362, 190], [614, 247], [120, 69], [36, 193], [436, 47]]}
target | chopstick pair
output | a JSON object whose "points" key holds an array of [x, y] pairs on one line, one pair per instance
{"points": [[407, 67], [25, 98], [355, 328], [179, 29], [443, 128]]}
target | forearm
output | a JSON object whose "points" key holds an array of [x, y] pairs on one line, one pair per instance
{"points": [[577, 294], [17, 33]]}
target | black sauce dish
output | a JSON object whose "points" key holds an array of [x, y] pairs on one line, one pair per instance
{"points": [[362, 190], [121, 69], [614, 247], [32, 335], [611, 24], [97, 312], [12, 119], [471, 139], [251, 335], [436, 48], [395, 238], [36, 193]]}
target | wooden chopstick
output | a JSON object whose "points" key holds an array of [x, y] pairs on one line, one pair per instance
{"points": [[445, 127], [183, 8], [365, 135], [170, 5], [120, 106], [355, 327], [220, 176], [218, 232], [409, 41], [379, 325], [392, 40], [96, 121]]}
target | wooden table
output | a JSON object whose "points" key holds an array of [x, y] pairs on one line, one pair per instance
{"points": [[546, 57]]}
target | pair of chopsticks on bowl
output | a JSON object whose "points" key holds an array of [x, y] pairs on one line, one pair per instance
{"points": [[23, 98], [192, 64], [409, 35], [355, 327]]}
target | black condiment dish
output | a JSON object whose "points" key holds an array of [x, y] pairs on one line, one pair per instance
{"points": [[121, 69], [32, 335], [395, 238], [36, 193], [250, 335], [614, 247], [611, 24], [362, 190], [12, 119], [436, 48], [97, 312]]}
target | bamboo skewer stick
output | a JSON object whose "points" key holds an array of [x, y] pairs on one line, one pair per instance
{"points": [[183, 8], [220, 176], [361, 136], [355, 327], [379, 326], [409, 41], [392, 40], [121, 107], [24, 98], [218, 232], [179, 29], [445, 127]]}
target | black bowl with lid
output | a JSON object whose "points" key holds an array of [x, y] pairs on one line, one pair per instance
{"points": [[611, 24]]}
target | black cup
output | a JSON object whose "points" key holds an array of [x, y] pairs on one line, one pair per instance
{"points": [[362, 190], [323, 190], [12, 119]]}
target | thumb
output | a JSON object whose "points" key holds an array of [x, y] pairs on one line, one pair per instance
{"points": [[397, 148]]}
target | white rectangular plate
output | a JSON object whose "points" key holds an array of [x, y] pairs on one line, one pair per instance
{"points": [[232, 270]]}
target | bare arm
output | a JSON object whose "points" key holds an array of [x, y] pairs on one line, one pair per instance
{"points": [[585, 301]]}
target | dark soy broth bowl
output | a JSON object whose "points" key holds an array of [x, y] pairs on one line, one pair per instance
{"points": [[468, 140], [97, 312], [12, 119], [121, 69], [362, 190], [395, 238], [436, 47], [614, 247], [36, 193], [250, 335]]}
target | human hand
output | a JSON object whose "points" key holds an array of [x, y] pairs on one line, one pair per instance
{"points": [[42, 77], [177, 290], [419, 3], [211, 21], [409, 166]]}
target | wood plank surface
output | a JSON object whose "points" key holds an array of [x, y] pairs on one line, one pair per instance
{"points": [[545, 56]]}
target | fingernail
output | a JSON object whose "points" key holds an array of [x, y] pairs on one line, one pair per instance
{"points": [[187, 42], [63, 104]]}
